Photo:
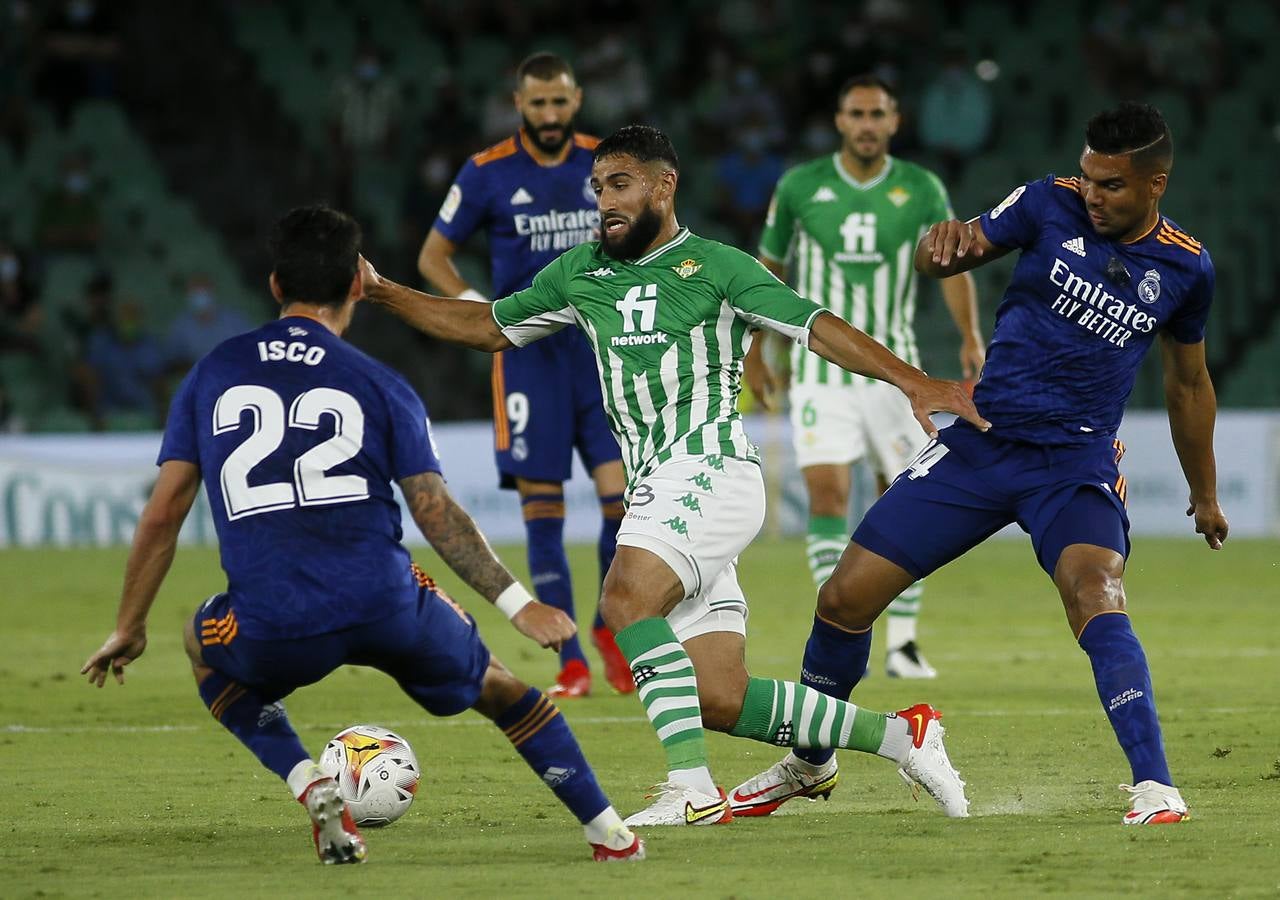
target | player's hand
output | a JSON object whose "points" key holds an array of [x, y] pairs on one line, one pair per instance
{"points": [[374, 284], [760, 377], [545, 625], [1210, 521], [116, 652], [973, 356], [952, 240], [930, 395]]}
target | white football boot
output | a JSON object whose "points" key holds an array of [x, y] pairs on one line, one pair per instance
{"points": [[1154, 804], [335, 834], [927, 765], [680, 804], [783, 781], [907, 662]]}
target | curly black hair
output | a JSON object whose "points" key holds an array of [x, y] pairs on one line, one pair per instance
{"points": [[1135, 128], [315, 251], [642, 142]]}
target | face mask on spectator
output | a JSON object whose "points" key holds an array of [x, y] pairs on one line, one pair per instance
{"points": [[80, 11], [368, 70], [200, 300], [9, 268], [77, 182]]}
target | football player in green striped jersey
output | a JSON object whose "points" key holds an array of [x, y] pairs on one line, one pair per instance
{"points": [[846, 226], [668, 315]]}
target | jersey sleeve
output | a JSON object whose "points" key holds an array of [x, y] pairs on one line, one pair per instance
{"points": [[539, 310], [412, 446], [1186, 326], [465, 207], [1016, 220], [759, 298], [181, 438], [779, 224]]}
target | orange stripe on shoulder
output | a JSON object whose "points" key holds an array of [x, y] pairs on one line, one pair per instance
{"points": [[586, 141], [1071, 184], [1175, 238], [500, 150]]}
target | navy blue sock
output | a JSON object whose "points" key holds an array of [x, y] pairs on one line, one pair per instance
{"points": [[262, 727], [611, 506], [542, 736], [834, 661], [548, 565], [1124, 687]]}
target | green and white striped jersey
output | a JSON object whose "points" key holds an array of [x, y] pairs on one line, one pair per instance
{"points": [[849, 245], [669, 331]]}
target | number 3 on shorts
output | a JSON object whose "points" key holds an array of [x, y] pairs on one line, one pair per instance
{"points": [[926, 460]]}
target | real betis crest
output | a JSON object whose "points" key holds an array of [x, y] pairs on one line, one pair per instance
{"points": [[898, 196], [686, 268]]}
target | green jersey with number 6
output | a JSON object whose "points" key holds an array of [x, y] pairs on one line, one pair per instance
{"points": [[850, 246], [669, 331]]}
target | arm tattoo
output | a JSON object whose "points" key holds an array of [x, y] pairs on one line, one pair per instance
{"points": [[454, 535]]}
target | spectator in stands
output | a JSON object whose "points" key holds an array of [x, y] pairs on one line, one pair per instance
{"points": [[615, 83], [366, 113], [956, 111], [81, 47], [124, 365], [746, 176], [1183, 53], [69, 219], [202, 325], [17, 286]]}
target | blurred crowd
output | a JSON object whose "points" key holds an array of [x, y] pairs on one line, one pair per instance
{"points": [[745, 87]]}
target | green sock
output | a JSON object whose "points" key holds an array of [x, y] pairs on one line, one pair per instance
{"points": [[792, 715], [668, 689], [827, 538]]}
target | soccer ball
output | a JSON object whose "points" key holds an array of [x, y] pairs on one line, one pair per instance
{"points": [[376, 772]]}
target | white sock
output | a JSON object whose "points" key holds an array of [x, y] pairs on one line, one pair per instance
{"points": [[698, 779], [607, 829], [302, 776], [897, 739], [901, 630]]}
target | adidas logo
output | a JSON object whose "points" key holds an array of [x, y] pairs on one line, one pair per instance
{"points": [[602, 272], [521, 197], [823, 194], [1075, 245]]}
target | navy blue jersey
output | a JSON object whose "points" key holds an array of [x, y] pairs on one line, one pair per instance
{"points": [[1080, 313], [298, 436], [532, 213]]}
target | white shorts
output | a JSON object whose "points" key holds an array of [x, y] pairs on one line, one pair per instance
{"points": [[697, 514], [840, 424]]}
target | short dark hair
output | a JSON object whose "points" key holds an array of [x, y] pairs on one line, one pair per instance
{"points": [[315, 251], [543, 66], [1135, 128], [643, 142], [866, 80]]}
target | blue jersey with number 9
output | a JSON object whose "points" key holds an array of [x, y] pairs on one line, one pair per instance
{"points": [[298, 436]]}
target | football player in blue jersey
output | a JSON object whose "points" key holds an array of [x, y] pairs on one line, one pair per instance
{"points": [[1101, 274], [297, 437], [531, 194]]}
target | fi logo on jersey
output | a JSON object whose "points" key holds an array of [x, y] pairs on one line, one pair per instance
{"points": [[639, 311]]}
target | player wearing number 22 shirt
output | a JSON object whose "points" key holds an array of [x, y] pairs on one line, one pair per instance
{"points": [[298, 437]]}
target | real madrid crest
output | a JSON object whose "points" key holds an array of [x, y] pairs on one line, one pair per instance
{"points": [[686, 268], [1149, 287]]}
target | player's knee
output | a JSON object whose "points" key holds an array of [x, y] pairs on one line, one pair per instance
{"points": [[839, 603], [1094, 590], [722, 703], [499, 690]]}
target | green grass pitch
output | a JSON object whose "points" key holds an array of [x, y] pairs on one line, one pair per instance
{"points": [[135, 792]]}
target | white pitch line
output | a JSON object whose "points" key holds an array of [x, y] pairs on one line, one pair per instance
{"points": [[18, 728]]}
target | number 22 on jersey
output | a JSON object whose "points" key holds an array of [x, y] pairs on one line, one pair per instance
{"points": [[310, 485]]}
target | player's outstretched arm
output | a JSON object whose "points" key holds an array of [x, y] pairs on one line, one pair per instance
{"points": [[454, 535], [839, 342], [154, 543], [458, 321], [1193, 407], [952, 247]]}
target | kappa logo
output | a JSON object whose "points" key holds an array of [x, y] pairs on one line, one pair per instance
{"points": [[521, 197], [687, 269], [823, 194], [1075, 245], [602, 272]]}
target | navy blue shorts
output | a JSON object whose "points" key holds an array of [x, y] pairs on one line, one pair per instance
{"points": [[967, 485], [546, 403], [432, 650]]}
